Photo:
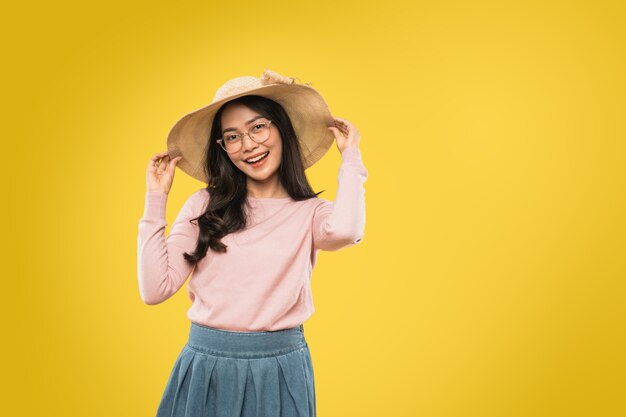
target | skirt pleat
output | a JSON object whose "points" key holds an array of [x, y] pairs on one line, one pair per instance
{"points": [[223, 373]]}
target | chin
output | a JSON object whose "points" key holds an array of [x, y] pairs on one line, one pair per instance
{"points": [[263, 175]]}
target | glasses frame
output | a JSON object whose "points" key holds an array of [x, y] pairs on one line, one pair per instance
{"points": [[221, 140]]}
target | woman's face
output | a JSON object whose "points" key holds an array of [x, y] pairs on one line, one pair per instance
{"points": [[237, 116]]}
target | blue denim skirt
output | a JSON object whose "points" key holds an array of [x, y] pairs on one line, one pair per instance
{"points": [[224, 373]]}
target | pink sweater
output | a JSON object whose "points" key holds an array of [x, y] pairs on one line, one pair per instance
{"points": [[263, 280]]}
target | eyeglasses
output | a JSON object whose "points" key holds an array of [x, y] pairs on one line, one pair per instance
{"points": [[260, 132]]}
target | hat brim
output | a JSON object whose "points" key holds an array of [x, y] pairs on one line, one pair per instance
{"points": [[305, 107]]}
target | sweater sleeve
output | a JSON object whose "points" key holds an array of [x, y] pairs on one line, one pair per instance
{"points": [[341, 223], [161, 267]]}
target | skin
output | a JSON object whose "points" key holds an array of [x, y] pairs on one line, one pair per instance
{"points": [[261, 182]]}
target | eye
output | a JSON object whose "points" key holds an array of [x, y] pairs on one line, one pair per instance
{"points": [[259, 126], [231, 137]]}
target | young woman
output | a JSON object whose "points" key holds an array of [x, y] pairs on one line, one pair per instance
{"points": [[250, 240]]}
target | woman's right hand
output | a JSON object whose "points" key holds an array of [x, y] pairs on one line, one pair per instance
{"points": [[160, 172]]}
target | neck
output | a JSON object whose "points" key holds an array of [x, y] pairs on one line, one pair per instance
{"points": [[273, 189]]}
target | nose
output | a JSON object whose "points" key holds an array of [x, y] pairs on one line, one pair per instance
{"points": [[247, 144]]}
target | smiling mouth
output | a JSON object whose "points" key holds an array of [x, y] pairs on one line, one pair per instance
{"points": [[257, 159]]}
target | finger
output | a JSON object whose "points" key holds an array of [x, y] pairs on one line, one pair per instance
{"points": [[335, 131], [340, 120], [158, 156], [157, 161], [165, 160], [159, 164], [343, 129], [171, 167], [343, 126]]}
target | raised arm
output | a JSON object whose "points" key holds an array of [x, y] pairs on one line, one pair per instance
{"points": [[161, 268], [341, 223]]}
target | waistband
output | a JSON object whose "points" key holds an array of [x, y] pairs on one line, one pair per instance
{"points": [[234, 344]]}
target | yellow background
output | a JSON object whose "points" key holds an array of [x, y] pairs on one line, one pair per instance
{"points": [[491, 278]]}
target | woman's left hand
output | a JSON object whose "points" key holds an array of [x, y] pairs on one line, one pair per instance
{"points": [[346, 133]]}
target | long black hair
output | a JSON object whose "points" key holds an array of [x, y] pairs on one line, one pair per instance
{"points": [[227, 187]]}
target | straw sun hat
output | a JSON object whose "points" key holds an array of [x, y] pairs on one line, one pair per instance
{"points": [[305, 107]]}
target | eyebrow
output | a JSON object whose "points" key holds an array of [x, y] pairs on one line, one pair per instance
{"points": [[247, 123]]}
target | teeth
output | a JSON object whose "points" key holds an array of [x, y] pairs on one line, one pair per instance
{"points": [[257, 158]]}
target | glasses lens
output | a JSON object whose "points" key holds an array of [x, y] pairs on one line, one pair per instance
{"points": [[258, 132], [231, 142]]}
